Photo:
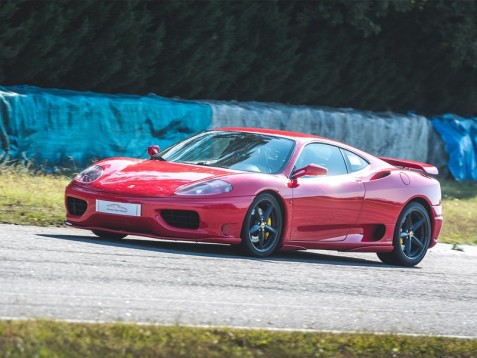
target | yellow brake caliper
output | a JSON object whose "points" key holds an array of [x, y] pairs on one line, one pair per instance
{"points": [[269, 223]]}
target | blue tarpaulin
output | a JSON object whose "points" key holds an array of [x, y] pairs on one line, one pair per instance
{"points": [[460, 138], [68, 129], [58, 129]]}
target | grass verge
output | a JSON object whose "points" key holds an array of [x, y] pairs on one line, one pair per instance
{"points": [[62, 339], [37, 199], [30, 198], [459, 201]]}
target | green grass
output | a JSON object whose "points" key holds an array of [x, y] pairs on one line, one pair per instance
{"points": [[30, 198], [60, 339], [459, 201], [37, 199]]}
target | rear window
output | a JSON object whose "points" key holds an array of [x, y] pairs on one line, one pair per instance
{"points": [[354, 161]]}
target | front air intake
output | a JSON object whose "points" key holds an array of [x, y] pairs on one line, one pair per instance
{"points": [[76, 206], [184, 219]]}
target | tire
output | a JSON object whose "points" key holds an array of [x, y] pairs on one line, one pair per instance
{"points": [[108, 235], [412, 236], [262, 226]]}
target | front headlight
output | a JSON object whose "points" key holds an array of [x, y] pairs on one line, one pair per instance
{"points": [[211, 187], [90, 174]]}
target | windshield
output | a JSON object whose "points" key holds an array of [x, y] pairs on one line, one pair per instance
{"points": [[250, 152]]}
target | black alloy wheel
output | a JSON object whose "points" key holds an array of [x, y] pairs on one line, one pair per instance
{"points": [[412, 237], [262, 227], [108, 235]]}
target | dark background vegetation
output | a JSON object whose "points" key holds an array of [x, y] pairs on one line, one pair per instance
{"points": [[399, 55]]}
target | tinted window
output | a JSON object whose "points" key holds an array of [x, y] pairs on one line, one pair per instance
{"points": [[235, 150], [325, 155], [355, 162]]}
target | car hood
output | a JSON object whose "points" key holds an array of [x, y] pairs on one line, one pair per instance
{"points": [[153, 178]]}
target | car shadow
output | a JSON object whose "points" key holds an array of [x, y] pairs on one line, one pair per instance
{"points": [[218, 250]]}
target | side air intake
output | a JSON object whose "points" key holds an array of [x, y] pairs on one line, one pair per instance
{"points": [[184, 219]]}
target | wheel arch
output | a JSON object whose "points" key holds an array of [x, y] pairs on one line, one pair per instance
{"points": [[425, 203]]}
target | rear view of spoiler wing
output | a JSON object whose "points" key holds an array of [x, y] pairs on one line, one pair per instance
{"points": [[427, 168]]}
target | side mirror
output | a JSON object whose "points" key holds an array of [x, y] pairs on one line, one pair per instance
{"points": [[152, 150], [310, 169]]}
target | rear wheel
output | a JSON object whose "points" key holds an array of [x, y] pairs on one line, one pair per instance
{"points": [[412, 236], [262, 227], [108, 235]]}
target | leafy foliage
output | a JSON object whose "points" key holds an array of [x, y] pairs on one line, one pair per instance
{"points": [[399, 55]]}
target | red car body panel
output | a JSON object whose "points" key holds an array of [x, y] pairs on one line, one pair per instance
{"points": [[357, 211]]}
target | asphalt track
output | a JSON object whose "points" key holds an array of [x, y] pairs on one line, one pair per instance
{"points": [[69, 274]]}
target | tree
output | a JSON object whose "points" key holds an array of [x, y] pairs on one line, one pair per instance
{"points": [[378, 55]]}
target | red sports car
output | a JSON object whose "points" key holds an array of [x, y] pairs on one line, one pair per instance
{"points": [[264, 190]]}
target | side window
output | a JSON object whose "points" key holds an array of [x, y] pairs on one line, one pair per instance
{"points": [[325, 155], [355, 162]]}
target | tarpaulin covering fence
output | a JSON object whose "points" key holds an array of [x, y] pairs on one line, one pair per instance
{"points": [[460, 137], [68, 129], [65, 129]]}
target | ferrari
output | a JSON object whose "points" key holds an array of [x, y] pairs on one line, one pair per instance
{"points": [[263, 190]]}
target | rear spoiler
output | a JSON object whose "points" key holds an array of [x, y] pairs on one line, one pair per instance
{"points": [[427, 168]]}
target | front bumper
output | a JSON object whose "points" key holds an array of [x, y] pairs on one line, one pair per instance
{"points": [[219, 220]]}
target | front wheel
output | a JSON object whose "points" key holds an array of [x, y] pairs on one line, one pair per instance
{"points": [[108, 235], [262, 227], [412, 236]]}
